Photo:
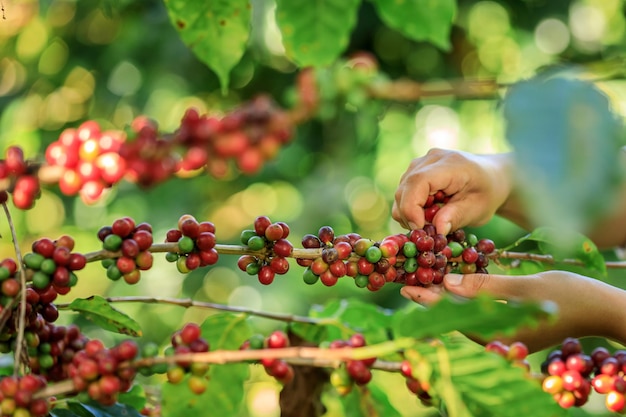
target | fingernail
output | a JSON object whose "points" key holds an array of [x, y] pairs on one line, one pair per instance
{"points": [[447, 228], [454, 279], [413, 226], [404, 293]]}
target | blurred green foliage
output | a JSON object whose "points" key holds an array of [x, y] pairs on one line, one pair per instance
{"points": [[64, 61]]}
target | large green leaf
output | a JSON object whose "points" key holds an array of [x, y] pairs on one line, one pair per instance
{"points": [[474, 382], [422, 20], [566, 141], [215, 30], [345, 318], [480, 316], [568, 244], [225, 390], [99, 311], [94, 409], [315, 32]]}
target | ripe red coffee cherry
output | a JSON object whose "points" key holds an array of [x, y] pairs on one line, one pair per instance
{"points": [[44, 247], [469, 255], [206, 227], [310, 241], [283, 247], [425, 243], [326, 234], [328, 278], [485, 246], [273, 232], [205, 241], [266, 275], [130, 248], [189, 333], [11, 287], [144, 239], [277, 339], [123, 227], [279, 265], [286, 230], [61, 255], [126, 350], [77, 262], [260, 224], [190, 227]]}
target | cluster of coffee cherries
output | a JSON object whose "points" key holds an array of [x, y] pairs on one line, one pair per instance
{"points": [[516, 352], [420, 257], [354, 371], [188, 340], [88, 159], [53, 264], [102, 372], [196, 244], [277, 368], [17, 396], [250, 135], [51, 348], [418, 387], [23, 183], [270, 239], [133, 241], [572, 375]]}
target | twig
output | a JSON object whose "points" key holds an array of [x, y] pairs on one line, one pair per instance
{"points": [[22, 307], [308, 356], [549, 259], [408, 90], [188, 302], [220, 248]]}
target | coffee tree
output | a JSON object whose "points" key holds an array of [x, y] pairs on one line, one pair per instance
{"points": [[201, 149]]}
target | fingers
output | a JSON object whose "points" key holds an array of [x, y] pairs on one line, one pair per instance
{"points": [[501, 286], [423, 295]]}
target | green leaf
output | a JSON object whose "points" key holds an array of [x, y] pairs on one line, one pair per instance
{"points": [[562, 244], [216, 31], [351, 316], [316, 32], [368, 401], [421, 20], [474, 382], [225, 390], [481, 316], [99, 311], [94, 409], [566, 144], [135, 397], [62, 412]]}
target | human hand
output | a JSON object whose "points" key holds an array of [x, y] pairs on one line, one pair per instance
{"points": [[477, 184], [586, 306]]}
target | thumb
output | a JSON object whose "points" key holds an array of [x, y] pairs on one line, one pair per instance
{"points": [[450, 217], [504, 286]]}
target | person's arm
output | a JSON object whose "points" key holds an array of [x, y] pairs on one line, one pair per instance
{"points": [[607, 232], [586, 306]]}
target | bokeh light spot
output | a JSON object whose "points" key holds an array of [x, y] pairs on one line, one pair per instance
{"points": [[552, 36], [587, 23], [47, 214], [246, 296], [125, 79], [32, 40]]}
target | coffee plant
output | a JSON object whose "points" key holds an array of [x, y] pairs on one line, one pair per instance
{"points": [[306, 95]]}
